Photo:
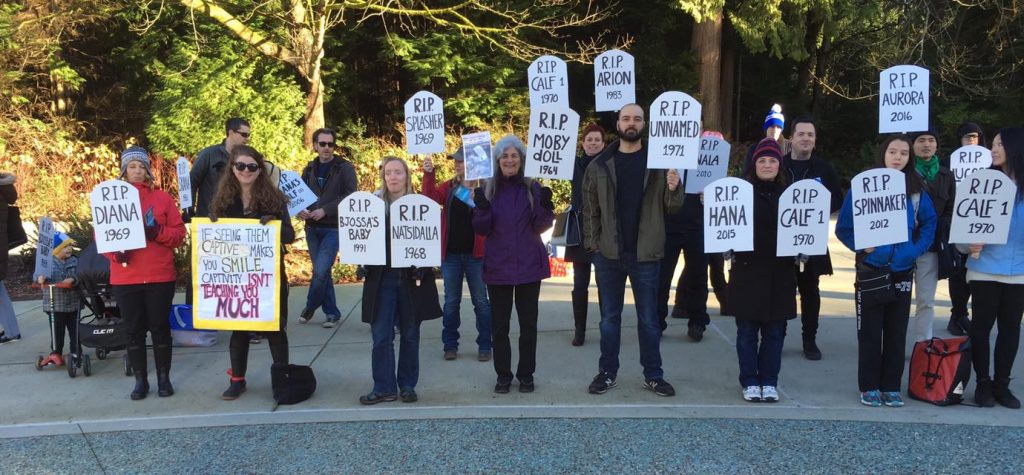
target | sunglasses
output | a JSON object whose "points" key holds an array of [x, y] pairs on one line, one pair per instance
{"points": [[243, 134], [327, 144], [247, 166]]}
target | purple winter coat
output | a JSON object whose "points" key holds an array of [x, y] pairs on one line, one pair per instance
{"points": [[514, 253]]}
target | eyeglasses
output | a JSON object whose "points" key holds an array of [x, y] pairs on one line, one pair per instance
{"points": [[243, 134], [247, 166], [327, 144]]}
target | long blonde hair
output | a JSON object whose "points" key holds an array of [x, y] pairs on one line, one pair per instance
{"points": [[383, 190]]}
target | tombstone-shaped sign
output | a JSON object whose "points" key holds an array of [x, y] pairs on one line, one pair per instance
{"points": [[362, 236], [551, 147], [983, 208], [879, 198], [298, 193], [903, 99], [549, 82], [712, 164], [117, 217], [803, 219], [44, 248], [614, 80], [424, 123], [968, 159], [674, 131], [184, 183], [729, 216], [415, 232], [477, 152]]}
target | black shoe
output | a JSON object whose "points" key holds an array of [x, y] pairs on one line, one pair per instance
{"points": [[1002, 394], [678, 312], [408, 395], [163, 384], [983, 393], [602, 383], [958, 326], [660, 387], [811, 350], [376, 398], [579, 337], [696, 332], [526, 386], [306, 315], [141, 386], [503, 388], [9, 339], [236, 389]]}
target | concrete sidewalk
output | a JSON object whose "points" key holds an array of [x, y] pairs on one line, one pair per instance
{"points": [[704, 374]]}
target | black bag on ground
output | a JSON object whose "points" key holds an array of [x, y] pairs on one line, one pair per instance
{"points": [[292, 383], [874, 285]]}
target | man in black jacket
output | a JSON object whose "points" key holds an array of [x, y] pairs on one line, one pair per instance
{"points": [[331, 178], [803, 163], [211, 161]]}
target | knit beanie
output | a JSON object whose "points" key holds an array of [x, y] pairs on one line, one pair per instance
{"points": [[767, 147], [775, 118], [135, 153], [915, 135], [970, 128]]}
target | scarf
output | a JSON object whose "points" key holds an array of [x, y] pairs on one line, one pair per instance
{"points": [[928, 168]]}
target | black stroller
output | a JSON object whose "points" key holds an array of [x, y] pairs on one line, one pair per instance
{"points": [[101, 327]]}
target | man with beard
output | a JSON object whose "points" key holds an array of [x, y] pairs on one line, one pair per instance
{"points": [[624, 226]]}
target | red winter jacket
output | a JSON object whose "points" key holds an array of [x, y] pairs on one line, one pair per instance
{"points": [[155, 262], [442, 194]]}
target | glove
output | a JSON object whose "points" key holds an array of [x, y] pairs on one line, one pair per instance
{"points": [[480, 200], [545, 199], [267, 218], [360, 273], [186, 216], [420, 273], [123, 257], [152, 232]]}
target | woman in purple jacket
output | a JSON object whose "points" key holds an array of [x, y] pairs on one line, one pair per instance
{"points": [[512, 211]]}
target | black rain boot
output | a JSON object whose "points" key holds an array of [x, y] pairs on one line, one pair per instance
{"points": [[141, 386], [1001, 392], [580, 301], [235, 389], [811, 350], [983, 393], [162, 360], [163, 383]]}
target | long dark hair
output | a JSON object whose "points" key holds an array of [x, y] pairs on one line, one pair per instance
{"points": [[265, 196], [1013, 148], [914, 182]]}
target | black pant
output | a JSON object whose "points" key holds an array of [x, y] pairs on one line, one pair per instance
{"points": [[995, 303], [959, 290], [526, 297], [238, 346], [147, 308], [692, 286], [881, 337], [62, 321], [810, 302], [716, 270], [581, 271]]}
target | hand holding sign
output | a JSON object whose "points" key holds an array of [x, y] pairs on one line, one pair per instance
{"points": [[672, 179], [428, 164]]}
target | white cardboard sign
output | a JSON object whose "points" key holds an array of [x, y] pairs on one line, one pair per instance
{"points": [[424, 123], [712, 164], [117, 217], [969, 159], [674, 130], [614, 80], [298, 193], [983, 209], [44, 249], [879, 197], [477, 152], [729, 216], [551, 147], [184, 183], [362, 236], [415, 232], [903, 99], [549, 82], [803, 219]]}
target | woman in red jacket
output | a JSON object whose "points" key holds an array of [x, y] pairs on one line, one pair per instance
{"points": [[142, 280]]}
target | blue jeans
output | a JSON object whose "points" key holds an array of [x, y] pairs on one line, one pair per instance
{"points": [[760, 366], [611, 289], [394, 307], [453, 268], [323, 250]]}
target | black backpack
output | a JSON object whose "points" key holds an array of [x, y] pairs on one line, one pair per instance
{"points": [[292, 383]]}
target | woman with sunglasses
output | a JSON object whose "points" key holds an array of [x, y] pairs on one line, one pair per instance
{"points": [[248, 192]]}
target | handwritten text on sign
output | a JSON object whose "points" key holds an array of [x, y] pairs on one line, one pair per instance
{"points": [[969, 159], [549, 82], [674, 131], [879, 199], [983, 209], [551, 152], [298, 193], [236, 264], [424, 123], [729, 216], [415, 232], [614, 80], [713, 164], [184, 183], [362, 236], [44, 258], [803, 219], [117, 217], [903, 99]]}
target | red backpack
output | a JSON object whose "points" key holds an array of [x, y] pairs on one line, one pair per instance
{"points": [[940, 370]]}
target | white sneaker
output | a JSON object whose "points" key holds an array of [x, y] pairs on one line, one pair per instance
{"points": [[769, 394], [752, 394]]}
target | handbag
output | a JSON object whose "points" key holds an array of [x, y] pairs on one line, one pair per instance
{"points": [[940, 370], [559, 229], [951, 262], [292, 383], [874, 286], [15, 231], [573, 230]]}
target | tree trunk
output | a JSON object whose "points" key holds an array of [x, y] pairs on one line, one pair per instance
{"points": [[314, 106], [803, 83], [728, 89], [707, 46], [823, 57]]}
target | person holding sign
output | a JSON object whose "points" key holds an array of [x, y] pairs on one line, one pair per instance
{"points": [[941, 187], [959, 324], [462, 253], [624, 208], [512, 211], [996, 275], [762, 287], [142, 280], [8, 319], [248, 192], [396, 297], [593, 144], [331, 178], [885, 280]]}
